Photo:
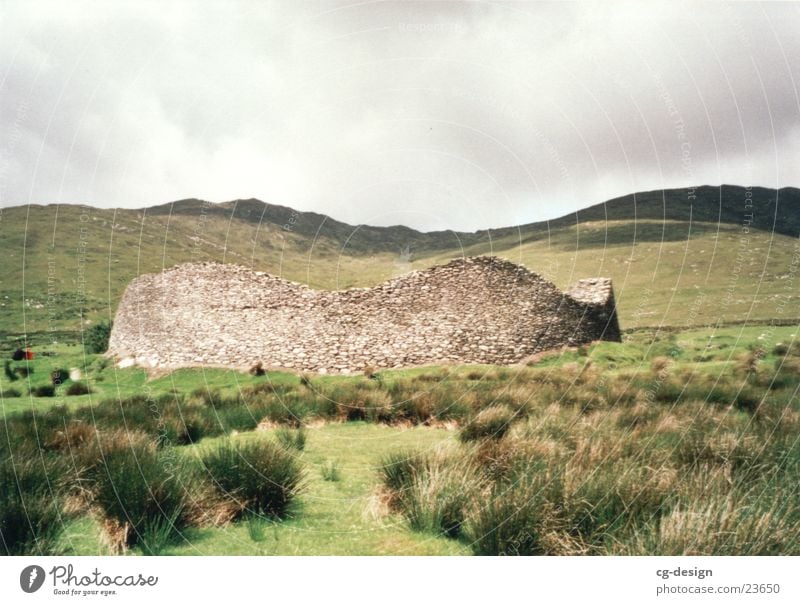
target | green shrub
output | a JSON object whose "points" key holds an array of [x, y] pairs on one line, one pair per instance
{"points": [[59, 376], [30, 516], [142, 495], [95, 339], [78, 388], [260, 477], [10, 372], [491, 423], [9, 392], [45, 390]]}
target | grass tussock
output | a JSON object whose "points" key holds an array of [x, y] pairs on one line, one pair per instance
{"points": [[257, 477]]}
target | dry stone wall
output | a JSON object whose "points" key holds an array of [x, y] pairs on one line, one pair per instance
{"points": [[472, 310]]}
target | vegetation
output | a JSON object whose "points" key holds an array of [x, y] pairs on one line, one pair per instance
{"points": [[669, 443], [95, 339], [258, 476], [30, 511], [654, 238], [141, 494]]}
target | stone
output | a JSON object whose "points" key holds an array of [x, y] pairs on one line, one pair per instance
{"points": [[476, 310]]}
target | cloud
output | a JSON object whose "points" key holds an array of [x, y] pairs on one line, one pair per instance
{"points": [[436, 115]]}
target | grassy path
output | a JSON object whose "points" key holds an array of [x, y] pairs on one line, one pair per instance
{"points": [[334, 517]]}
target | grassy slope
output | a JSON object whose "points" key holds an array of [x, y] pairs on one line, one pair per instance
{"points": [[64, 262]]}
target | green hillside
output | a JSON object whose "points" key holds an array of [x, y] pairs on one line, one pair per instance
{"points": [[675, 261]]}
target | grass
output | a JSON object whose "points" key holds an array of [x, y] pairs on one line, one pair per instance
{"points": [[619, 448], [257, 477], [667, 270]]}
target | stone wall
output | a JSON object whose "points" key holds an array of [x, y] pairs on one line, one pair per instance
{"points": [[472, 310]]}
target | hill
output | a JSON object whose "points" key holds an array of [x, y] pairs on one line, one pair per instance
{"points": [[677, 257]]}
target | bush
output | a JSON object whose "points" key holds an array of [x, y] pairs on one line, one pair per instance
{"points": [[258, 369], [78, 388], [292, 438], [492, 423], [260, 477], [10, 372], [8, 393], [141, 493], [45, 390], [59, 376], [30, 516], [18, 355], [95, 339]]}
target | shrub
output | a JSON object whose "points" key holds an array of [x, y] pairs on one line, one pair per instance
{"points": [[59, 376], [18, 355], [24, 371], [95, 339], [45, 390], [258, 369], [260, 477], [10, 393], [292, 438], [30, 517], [492, 423], [141, 493], [78, 388], [10, 372]]}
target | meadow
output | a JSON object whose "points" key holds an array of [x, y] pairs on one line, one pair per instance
{"points": [[672, 442]]}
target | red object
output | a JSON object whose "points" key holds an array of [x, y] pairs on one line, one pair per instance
{"points": [[28, 354]]}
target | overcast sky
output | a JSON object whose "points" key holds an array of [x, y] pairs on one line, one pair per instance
{"points": [[434, 115]]}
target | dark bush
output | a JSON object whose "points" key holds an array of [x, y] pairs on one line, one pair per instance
{"points": [[18, 355], [23, 371], [78, 388], [10, 393], [95, 339], [59, 376], [10, 372], [259, 477], [258, 369], [45, 390]]}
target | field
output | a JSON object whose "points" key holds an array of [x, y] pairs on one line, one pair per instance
{"points": [[672, 442]]}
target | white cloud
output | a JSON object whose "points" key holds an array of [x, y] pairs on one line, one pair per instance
{"points": [[437, 115]]}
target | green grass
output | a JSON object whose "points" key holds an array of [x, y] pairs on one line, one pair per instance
{"points": [[627, 419], [344, 517], [666, 269]]}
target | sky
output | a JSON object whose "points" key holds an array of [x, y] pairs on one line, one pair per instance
{"points": [[435, 115]]}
